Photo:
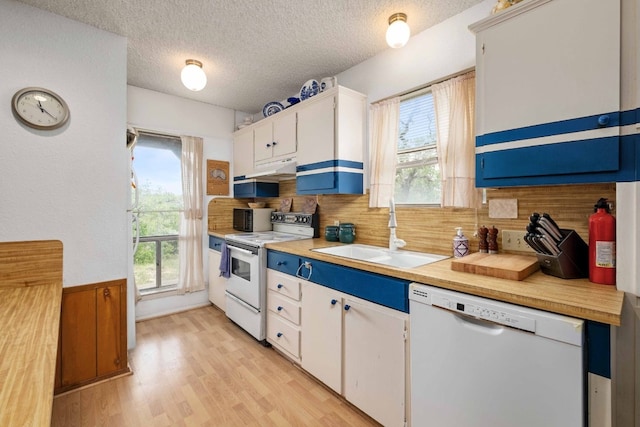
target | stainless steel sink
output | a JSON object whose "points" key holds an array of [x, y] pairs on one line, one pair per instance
{"points": [[380, 255]]}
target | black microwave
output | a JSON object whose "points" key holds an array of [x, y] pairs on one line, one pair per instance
{"points": [[252, 220]]}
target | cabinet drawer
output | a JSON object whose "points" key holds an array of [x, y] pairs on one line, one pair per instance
{"points": [[284, 284], [284, 307], [283, 334]]}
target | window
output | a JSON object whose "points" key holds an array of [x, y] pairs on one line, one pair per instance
{"points": [[156, 160], [417, 171]]}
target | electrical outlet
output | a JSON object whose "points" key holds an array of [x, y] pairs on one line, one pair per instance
{"points": [[514, 241]]}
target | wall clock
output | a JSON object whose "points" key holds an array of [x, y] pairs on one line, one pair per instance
{"points": [[40, 108]]}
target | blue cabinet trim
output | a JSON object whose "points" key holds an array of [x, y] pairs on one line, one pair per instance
{"points": [[513, 167], [330, 183], [256, 189], [554, 128], [239, 178], [384, 290], [330, 164], [598, 348], [215, 243]]}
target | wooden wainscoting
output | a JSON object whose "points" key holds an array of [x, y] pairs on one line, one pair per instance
{"points": [[93, 334]]}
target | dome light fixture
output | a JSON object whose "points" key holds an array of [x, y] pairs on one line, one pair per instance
{"points": [[398, 32], [192, 75]]}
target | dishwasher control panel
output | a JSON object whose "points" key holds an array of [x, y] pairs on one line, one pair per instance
{"points": [[474, 307]]}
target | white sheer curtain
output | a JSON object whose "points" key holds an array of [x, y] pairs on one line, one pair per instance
{"points": [[384, 145], [454, 102], [191, 277]]}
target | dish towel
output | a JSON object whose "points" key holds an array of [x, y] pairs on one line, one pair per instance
{"points": [[225, 261]]}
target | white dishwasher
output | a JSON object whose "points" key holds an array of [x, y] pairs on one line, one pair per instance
{"points": [[476, 362]]}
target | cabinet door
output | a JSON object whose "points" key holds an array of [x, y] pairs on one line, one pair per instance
{"points": [[374, 361], [571, 69], [316, 132], [321, 341], [78, 337], [243, 153], [263, 141], [217, 284], [108, 326], [284, 135]]}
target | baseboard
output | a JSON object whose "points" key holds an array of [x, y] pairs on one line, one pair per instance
{"points": [[172, 311]]}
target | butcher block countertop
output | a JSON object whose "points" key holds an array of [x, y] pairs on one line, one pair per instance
{"points": [[30, 295], [577, 297]]}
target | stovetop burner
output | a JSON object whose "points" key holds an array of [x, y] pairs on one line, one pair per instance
{"points": [[286, 226]]}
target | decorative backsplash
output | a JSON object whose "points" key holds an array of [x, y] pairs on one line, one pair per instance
{"points": [[431, 229]]}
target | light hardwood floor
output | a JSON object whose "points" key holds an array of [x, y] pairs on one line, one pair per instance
{"points": [[197, 368]]}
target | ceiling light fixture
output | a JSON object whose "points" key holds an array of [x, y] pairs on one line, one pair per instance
{"points": [[192, 75], [398, 32]]}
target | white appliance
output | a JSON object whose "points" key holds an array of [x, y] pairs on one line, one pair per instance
{"points": [[246, 302], [484, 363]]}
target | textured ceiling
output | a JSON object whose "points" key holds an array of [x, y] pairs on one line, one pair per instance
{"points": [[253, 51]]}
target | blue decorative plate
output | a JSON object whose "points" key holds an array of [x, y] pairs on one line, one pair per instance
{"points": [[309, 89], [271, 108]]}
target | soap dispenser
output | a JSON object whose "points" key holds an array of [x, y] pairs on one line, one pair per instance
{"points": [[460, 244]]}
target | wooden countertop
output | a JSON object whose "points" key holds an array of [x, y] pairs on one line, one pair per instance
{"points": [[29, 318], [577, 297]]}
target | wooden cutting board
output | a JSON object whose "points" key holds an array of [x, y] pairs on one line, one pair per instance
{"points": [[503, 266]]}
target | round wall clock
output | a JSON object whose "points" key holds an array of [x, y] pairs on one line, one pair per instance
{"points": [[40, 108]]}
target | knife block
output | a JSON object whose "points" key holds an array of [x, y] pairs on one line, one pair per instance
{"points": [[573, 260]]}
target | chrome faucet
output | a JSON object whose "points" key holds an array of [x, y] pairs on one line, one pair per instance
{"points": [[394, 242]]}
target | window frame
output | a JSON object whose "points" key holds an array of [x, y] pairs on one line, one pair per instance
{"points": [[426, 148]]}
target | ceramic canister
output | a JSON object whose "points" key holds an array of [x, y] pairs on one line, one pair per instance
{"points": [[347, 232], [331, 233]]}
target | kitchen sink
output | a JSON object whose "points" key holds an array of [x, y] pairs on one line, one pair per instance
{"points": [[380, 255]]}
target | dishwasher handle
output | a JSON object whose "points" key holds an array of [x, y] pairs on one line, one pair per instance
{"points": [[478, 325]]}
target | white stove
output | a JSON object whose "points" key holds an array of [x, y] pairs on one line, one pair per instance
{"points": [[247, 288]]}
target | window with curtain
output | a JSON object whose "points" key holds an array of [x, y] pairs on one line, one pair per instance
{"points": [[430, 134], [417, 179], [157, 162]]}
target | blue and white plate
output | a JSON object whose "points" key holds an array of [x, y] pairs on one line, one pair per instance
{"points": [[309, 89], [272, 108]]}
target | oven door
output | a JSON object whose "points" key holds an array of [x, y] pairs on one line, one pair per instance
{"points": [[244, 282]]}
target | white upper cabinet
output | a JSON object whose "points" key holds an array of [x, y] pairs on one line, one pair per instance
{"points": [[548, 93], [243, 153], [331, 137], [275, 138]]}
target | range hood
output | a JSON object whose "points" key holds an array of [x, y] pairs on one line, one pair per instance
{"points": [[281, 169]]}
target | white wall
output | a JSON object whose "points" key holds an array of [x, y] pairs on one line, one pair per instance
{"points": [[67, 184], [179, 116], [440, 51]]}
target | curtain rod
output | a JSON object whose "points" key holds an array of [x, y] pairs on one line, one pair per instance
{"points": [[156, 133], [426, 86]]}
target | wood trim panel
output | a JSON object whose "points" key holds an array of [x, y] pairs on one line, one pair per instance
{"points": [[93, 334]]}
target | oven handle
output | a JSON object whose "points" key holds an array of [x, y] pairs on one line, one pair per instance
{"points": [[242, 303], [243, 251]]}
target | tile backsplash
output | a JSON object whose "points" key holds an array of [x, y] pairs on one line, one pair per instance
{"points": [[431, 229]]}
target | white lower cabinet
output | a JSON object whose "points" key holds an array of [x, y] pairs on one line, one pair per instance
{"points": [[283, 315], [321, 344], [217, 283], [357, 348], [374, 360]]}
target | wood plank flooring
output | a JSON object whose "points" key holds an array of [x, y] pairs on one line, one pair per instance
{"points": [[197, 368]]}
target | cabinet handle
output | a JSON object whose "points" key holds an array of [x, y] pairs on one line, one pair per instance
{"points": [[274, 143], [216, 245], [603, 120], [106, 292], [279, 334], [334, 301], [279, 286], [279, 308], [347, 307], [268, 145], [281, 263]]}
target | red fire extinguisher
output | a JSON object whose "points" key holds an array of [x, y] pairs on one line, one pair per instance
{"points": [[602, 245]]}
